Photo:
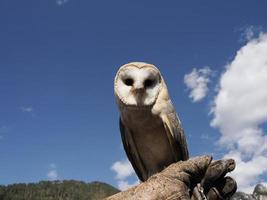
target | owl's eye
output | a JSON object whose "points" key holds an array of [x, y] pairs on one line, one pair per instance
{"points": [[128, 81], [148, 83]]}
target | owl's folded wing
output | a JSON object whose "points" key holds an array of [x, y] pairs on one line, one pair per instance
{"points": [[175, 135], [132, 153]]}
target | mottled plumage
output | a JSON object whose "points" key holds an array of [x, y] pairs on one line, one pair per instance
{"points": [[150, 128]]}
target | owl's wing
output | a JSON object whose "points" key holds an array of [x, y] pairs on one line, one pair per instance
{"points": [[175, 134], [132, 153]]}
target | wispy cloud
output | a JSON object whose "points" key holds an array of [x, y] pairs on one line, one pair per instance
{"points": [[52, 173], [26, 109], [124, 170], [205, 137], [250, 32], [240, 111], [197, 81], [61, 2]]}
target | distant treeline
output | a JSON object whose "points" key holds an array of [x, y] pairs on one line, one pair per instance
{"points": [[57, 190]]}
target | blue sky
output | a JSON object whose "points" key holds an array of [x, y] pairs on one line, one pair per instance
{"points": [[58, 59]]}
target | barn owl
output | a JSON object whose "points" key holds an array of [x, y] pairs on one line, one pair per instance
{"points": [[150, 129]]}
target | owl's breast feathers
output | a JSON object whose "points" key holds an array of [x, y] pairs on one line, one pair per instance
{"points": [[148, 141]]}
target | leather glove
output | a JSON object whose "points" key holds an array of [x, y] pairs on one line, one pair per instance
{"points": [[195, 179]]}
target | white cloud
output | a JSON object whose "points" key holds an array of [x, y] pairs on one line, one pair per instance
{"points": [[240, 109], [123, 170], [197, 81], [52, 174], [61, 2], [26, 109]]}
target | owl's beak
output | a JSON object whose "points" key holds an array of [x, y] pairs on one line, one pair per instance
{"points": [[139, 90], [139, 93]]}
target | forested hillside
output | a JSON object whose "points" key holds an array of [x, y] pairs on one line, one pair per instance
{"points": [[57, 190]]}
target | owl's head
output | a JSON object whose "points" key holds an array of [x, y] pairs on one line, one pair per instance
{"points": [[137, 84]]}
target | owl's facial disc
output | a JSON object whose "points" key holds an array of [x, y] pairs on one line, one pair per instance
{"points": [[138, 86]]}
